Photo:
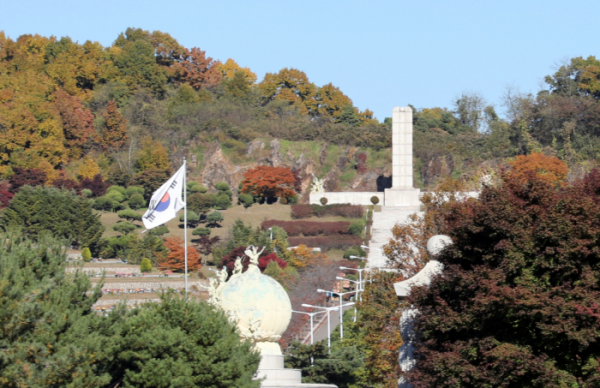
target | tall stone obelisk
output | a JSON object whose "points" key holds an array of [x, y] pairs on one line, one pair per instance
{"points": [[402, 192]]}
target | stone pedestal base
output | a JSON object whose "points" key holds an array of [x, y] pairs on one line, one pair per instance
{"points": [[402, 197], [271, 368]]}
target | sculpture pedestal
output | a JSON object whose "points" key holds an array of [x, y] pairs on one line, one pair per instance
{"points": [[402, 197], [271, 368]]}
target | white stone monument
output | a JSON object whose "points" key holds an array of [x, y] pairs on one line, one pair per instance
{"points": [[261, 308], [406, 357], [402, 192]]}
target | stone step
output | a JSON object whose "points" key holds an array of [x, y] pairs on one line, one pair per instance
{"points": [[381, 231]]}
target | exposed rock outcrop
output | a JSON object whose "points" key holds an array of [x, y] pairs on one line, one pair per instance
{"points": [[254, 147], [218, 169], [435, 167]]}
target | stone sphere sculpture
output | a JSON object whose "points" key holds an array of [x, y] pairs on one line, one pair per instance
{"points": [[260, 306], [436, 243]]}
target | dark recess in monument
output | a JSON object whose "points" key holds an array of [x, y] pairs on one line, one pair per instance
{"points": [[384, 182]]}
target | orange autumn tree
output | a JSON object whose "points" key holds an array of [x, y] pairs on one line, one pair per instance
{"points": [[549, 169], [114, 133], [174, 259], [269, 182]]}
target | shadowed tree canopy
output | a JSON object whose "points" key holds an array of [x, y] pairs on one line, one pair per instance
{"points": [[518, 302]]}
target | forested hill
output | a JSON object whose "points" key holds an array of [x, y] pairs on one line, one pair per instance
{"points": [[135, 108]]}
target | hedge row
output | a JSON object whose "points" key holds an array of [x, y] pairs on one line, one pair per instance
{"points": [[342, 210], [326, 243], [310, 228]]}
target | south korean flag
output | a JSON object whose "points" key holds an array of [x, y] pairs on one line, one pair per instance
{"points": [[166, 201]]}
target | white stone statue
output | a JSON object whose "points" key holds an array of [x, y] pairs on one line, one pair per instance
{"points": [[222, 276], [318, 185], [212, 291], [237, 270], [253, 253], [406, 357]]}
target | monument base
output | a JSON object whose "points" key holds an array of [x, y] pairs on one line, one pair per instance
{"points": [[275, 375], [405, 196]]}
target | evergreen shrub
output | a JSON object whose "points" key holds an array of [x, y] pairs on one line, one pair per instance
{"points": [[146, 265], [136, 201], [86, 255], [131, 190], [201, 232], [121, 190], [246, 199]]}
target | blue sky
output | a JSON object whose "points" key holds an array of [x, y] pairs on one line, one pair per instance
{"points": [[380, 53]]}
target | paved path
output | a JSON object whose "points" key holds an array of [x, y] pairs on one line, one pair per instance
{"points": [[321, 324], [381, 231]]}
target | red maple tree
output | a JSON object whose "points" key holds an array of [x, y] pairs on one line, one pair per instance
{"points": [[174, 259], [268, 182]]}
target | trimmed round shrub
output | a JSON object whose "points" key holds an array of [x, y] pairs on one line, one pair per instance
{"points": [[356, 227], [192, 218], [293, 200], [130, 215], [116, 206], [102, 203], [159, 231], [146, 265], [195, 187], [86, 193], [374, 200], [323, 201], [222, 186], [115, 195], [124, 227], [214, 218], [223, 201], [246, 199], [131, 190], [118, 189], [136, 201], [201, 232], [86, 255]]}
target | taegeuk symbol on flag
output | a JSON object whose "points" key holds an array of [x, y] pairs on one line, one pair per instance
{"points": [[166, 201]]}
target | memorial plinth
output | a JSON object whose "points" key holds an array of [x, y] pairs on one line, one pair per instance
{"points": [[402, 192]]}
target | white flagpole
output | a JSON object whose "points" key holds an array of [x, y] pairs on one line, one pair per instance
{"points": [[185, 224]]}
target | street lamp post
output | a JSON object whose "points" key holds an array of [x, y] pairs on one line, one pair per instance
{"points": [[311, 327], [359, 270], [341, 295], [311, 322], [329, 310], [358, 285]]}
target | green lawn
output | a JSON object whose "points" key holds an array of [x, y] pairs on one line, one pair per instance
{"points": [[254, 215]]}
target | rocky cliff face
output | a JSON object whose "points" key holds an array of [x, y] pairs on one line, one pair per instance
{"points": [[218, 168]]}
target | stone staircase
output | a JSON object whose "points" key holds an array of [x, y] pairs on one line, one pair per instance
{"points": [[381, 231]]}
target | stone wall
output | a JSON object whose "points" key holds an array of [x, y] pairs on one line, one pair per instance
{"points": [[128, 302], [200, 285], [351, 197], [364, 198], [98, 270]]}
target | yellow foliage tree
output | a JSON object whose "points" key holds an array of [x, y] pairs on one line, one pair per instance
{"points": [[229, 68], [51, 172], [88, 169], [153, 156], [303, 257], [31, 126]]}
